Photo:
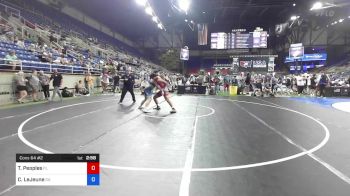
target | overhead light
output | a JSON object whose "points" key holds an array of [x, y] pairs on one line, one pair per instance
{"points": [[149, 10], [186, 20], [184, 5], [341, 20], [192, 21], [349, 17], [294, 17], [141, 2], [294, 4], [155, 19], [320, 5], [336, 22], [203, 12], [317, 6]]}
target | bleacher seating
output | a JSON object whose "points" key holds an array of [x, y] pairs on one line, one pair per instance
{"points": [[48, 19], [21, 53], [31, 61], [68, 24]]}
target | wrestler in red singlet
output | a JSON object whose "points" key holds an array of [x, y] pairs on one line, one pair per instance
{"points": [[162, 85]]}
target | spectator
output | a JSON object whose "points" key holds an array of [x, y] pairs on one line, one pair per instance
{"points": [[62, 60], [192, 79], [85, 81], [247, 83], [45, 84], [90, 83], [313, 85], [20, 43], [12, 60], [57, 83], [234, 81], [274, 81], [34, 84], [105, 81], [116, 79], [31, 47], [200, 79], [217, 82], [322, 84], [52, 38], [21, 86], [226, 83], [41, 41], [307, 83], [80, 89], [258, 82], [45, 57], [300, 84], [289, 83]]}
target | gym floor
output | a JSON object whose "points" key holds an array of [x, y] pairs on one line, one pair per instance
{"points": [[244, 146]]}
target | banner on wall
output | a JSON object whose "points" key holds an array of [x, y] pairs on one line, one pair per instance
{"points": [[255, 64], [235, 65], [271, 64], [184, 54], [308, 57], [296, 51], [202, 34]]}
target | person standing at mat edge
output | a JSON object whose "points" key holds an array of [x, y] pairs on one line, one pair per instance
{"points": [[129, 81], [45, 84], [57, 83]]}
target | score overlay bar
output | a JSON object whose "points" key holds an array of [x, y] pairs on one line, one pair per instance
{"points": [[57, 169]]}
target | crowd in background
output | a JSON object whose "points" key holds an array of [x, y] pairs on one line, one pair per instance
{"points": [[111, 81], [268, 84]]}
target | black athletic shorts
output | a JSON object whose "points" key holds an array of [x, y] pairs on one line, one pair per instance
{"points": [[21, 88]]}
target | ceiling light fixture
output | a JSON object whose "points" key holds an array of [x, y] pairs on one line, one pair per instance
{"points": [[184, 5], [141, 2], [294, 17], [149, 10], [317, 6], [320, 5], [155, 19]]}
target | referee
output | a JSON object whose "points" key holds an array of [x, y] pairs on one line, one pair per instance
{"points": [[129, 81]]}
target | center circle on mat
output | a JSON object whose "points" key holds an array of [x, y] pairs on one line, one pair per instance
{"points": [[312, 150], [170, 116]]}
